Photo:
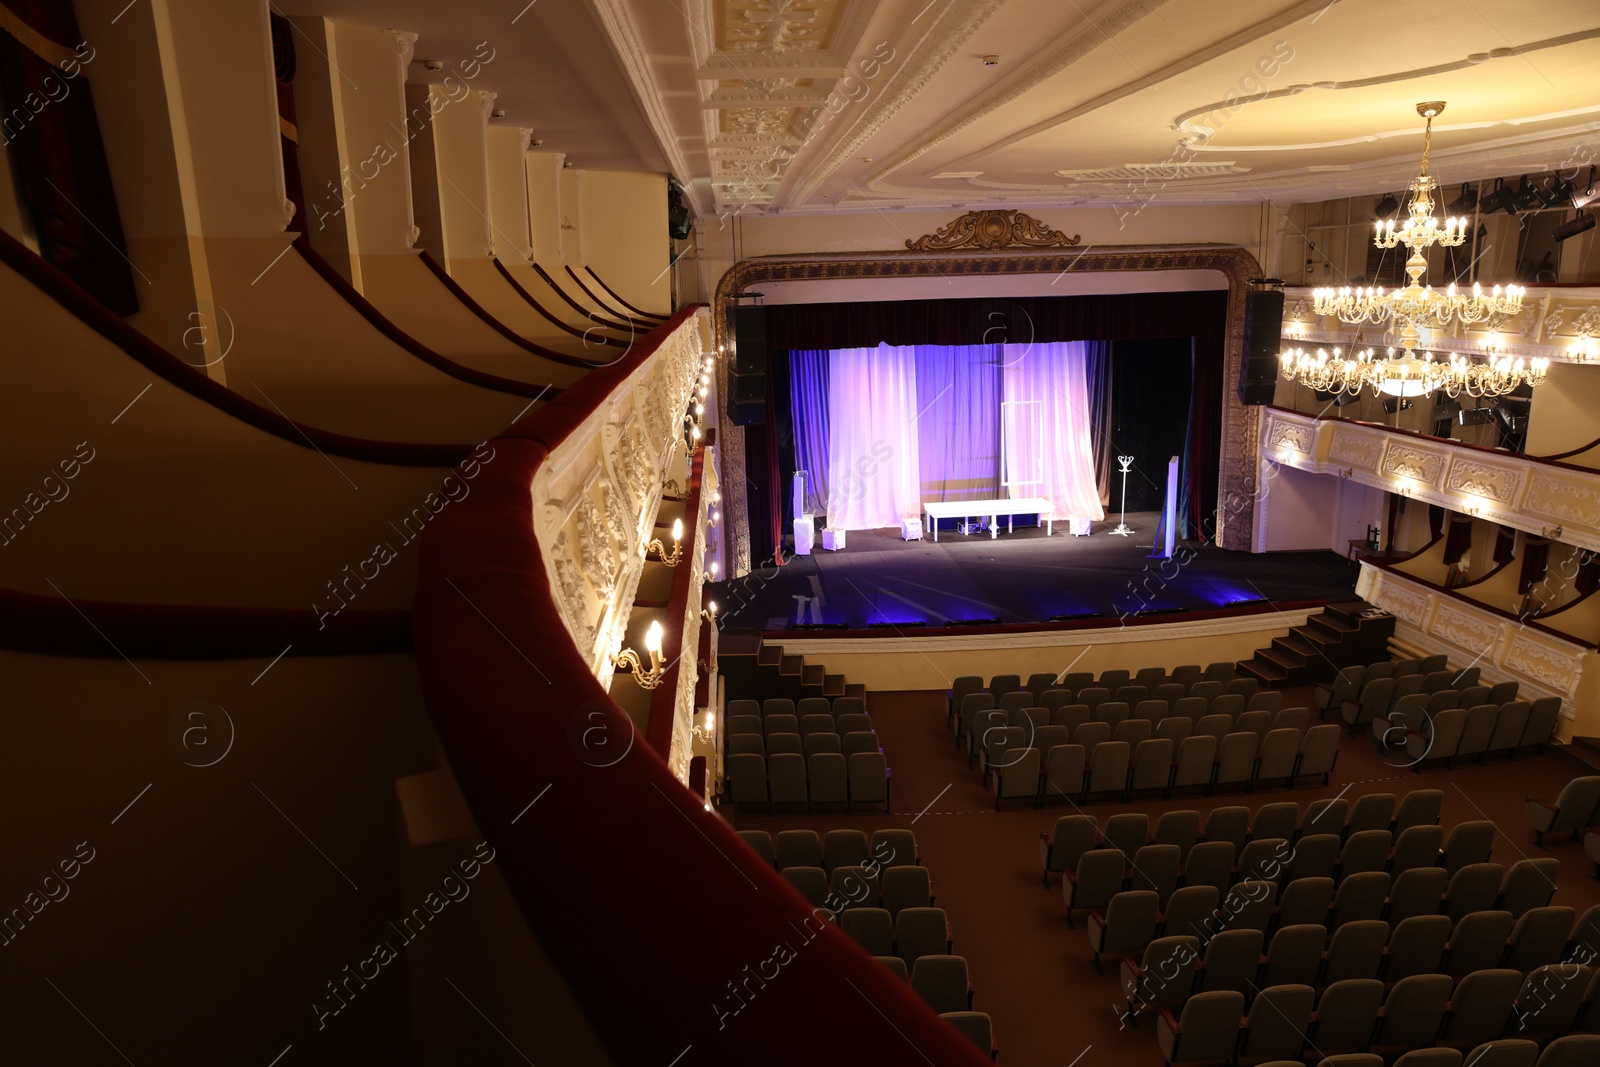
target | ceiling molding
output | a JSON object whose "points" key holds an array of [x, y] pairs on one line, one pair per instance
{"points": [[617, 25], [946, 32], [1196, 135]]}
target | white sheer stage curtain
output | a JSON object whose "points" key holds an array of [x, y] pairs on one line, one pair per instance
{"points": [[873, 458], [1055, 375]]}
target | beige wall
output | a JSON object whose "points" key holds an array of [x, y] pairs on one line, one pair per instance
{"points": [[623, 233], [1566, 410], [544, 206]]}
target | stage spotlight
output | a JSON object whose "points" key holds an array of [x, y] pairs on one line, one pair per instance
{"points": [[1527, 195], [1074, 616], [894, 625], [972, 622], [1585, 196], [819, 626], [1161, 611], [1500, 199], [1386, 207], [1394, 404], [1475, 416], [1344, 400], [1249, 600], [1466, 203], [1584, 221], [1445, 409]]}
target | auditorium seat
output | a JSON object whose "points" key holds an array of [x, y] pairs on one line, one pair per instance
{"points": [[843, 848], [943, 982], [1417, 945], [1572, 810], [1207, 1029]]}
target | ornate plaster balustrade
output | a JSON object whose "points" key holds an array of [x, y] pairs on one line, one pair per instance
{"points": [[598, 493], [1502, 646], [1542, 497]]}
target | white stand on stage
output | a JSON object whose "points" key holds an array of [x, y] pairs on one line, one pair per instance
{"points": [[805, 524], [1123, 530], [1169, 517]]}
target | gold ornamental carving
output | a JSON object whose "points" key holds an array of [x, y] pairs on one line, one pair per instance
{"points": [[990, 230]]}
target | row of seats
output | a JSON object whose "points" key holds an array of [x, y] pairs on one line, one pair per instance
{"points": [[1378, 696], [1173, 963], [1578, 1050], [1483, 730], [1137, 724], [846, 745], [804, 725], [821, 778], [942, 981], [1106, 706], [1284, 1020], [806, 706], [1347, 681], [867, 887], [1075, 681], [1218, 864], [1073, 835], [838, 848], [1240, 758]]}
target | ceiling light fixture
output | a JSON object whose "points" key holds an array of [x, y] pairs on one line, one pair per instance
{"points": [[1406, 310]]}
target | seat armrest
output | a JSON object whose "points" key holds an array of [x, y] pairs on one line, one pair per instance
{"points": [[1098, 915], [1547, 805], [1171, 1021]]}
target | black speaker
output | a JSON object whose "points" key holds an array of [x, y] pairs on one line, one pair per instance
{"points": [[747, 398], [747, 329], [1263, 331]]}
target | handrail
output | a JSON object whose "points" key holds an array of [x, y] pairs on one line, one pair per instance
{"points": [[552, 770], [645, 319], [178, 372], [1571, 452], [560, 324], [495, 324], [53, 626], [616, 295], [384, 325], [587, 313]]}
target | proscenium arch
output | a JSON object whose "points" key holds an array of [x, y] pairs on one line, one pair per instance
{"points": [[1241, 425]]}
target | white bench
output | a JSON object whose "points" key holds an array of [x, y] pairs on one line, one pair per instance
{"points": [[992, 510]]}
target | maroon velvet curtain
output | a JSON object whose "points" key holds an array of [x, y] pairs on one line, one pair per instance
{"points": [[1588, 572], [1459, 541], [1435, 520], [1504, 543], [1535, 557], [49, 121], [1205, 434], [283, 69]]}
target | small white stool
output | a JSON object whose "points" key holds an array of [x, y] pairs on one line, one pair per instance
{"points": [[911, 529], [832, 540]]}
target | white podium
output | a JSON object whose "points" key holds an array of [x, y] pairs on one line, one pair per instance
{"points": [[805, 535]]}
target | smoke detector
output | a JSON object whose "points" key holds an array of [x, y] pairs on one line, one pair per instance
{"points": [[991, 61], [432, 64], [498, 113]]}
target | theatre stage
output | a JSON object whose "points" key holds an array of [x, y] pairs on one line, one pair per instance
{"points": [[1021, 577]]}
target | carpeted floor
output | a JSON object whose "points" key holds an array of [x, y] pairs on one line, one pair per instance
{"points": [[1031, 971], [1020, 577]]}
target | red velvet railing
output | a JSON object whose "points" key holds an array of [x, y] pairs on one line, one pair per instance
{"points": [[593, 316], [383, 325], [675, 938], [30, 622], [591, 335], [645, 318], [616, 295], [465, 299], [64, 291]]}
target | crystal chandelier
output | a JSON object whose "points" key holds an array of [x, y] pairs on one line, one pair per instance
{"points": [[1407, 310]]}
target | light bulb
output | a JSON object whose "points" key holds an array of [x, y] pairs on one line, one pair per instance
{"points": [[677, 529], [652, 638]]}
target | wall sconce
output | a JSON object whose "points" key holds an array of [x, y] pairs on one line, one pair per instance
{"points": [[713, 570], [1582, 350], [707, 734], [709, 612], [669, 558], [647, 679]]}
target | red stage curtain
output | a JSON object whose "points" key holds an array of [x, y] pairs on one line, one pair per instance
{"points": [[1504, 543], [1535, 556], [1459, 543]]}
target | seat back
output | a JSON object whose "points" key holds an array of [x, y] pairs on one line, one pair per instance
{"points": [[1181, 828], [780, 723], [1132, 731], [1166, 971], [1345, 1013], [1315, 856], [1474, 887], [1478, 941], [1263, 858], [860, 741], [1305, 900], [1153, 711], [744, 724], [1097, 879], [975, 1026], [1069, 839], [1356, 950], [1072, 716], [1574, 1050], [743, 707], [1509, 725], [1039, 682], [1319, 749], [1374, 811], [1365, 850], [871, 928], [777, 706], [1229, 704], [1077, 681], [1210, 863], [1279, 751], [1481, 1005], [1155, 867], [1207, 689], [1417, 891], [905, 887], [1015, 700], [1419, 807], [779, 744], [1018, 774], [1111, 712], [1001, 684], [1108, 767], [893, 847], [811, 882], [1152, 764], [1326, 816], [816, 724], [1130, 923], [1063, 771], [1549, 1000], [1094, 696], [1236, 758], [1255, 722], [760, 842], [1193, 708], [1359, 897], [1191, 911], [1127, 832], [921, 932], [1171, 692], [1186, 674], [1416, 946], [1150, 677], [1091, 735], [1417, 846], [1232, 958], [1248, 905], [941, 981], [1278, 1021], [747, 778], [1477, 730], [869, 779], [1265, 700], [1539, 937], [1469, 842], [746, 744], [1051, 699], [1208, 1029], [1175, 728], [1130, 694], [1295, 955], [1413, 1010], [816, 743], [844, 848], [1529, 884], [1228, 823]]}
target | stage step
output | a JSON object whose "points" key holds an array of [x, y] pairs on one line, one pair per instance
{"points": [[1338, 636], [857, 690], [759, 669]]}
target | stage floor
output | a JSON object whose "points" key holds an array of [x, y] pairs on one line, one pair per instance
{"points": [[1019, 577]]}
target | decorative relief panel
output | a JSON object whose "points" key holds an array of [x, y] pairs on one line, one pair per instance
{"points": [[1481, 479], [1356, 449], [1412, 462], [1568, 499], [1286, 434], [1401, 603], [1465, 631], [1550, 667]]}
